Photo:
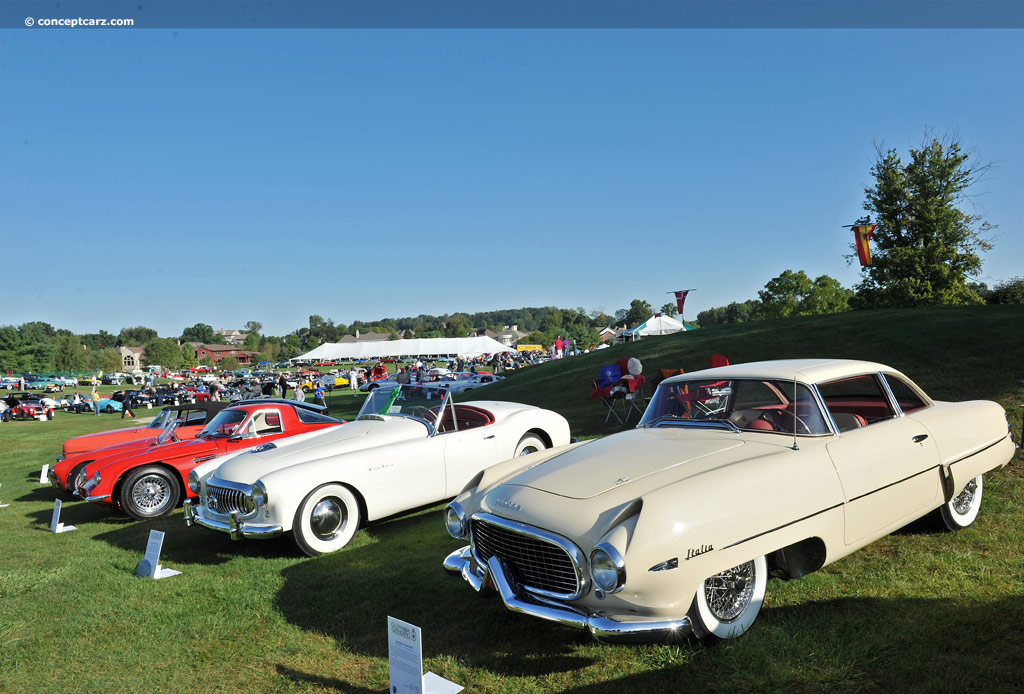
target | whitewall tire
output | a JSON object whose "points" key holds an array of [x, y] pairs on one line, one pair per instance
{"points": [[963, 508], [327, 520], [727, 604], [528, 444]]}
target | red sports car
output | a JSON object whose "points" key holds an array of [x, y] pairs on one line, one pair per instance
{"points": [[27, 406], [81, 450], [150, 482]]}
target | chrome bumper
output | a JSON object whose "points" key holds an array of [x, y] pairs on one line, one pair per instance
{"points": [[604, 629], [235, 527], [98, 497], [54, 480]]}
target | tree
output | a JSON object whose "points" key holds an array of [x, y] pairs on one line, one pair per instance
{"points": [[253, 327], [163, 351], [458, 326], [726, 315], [670, 309], [1008, 292], [638, 312], [794, 294], [228, 364], [110, 360], [200, 332], [924, 247], [133, 337], [69, 355]]}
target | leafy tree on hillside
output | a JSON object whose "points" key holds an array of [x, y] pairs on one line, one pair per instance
{"points": [[794, 294], [670, 309], [1008, 292], [68, 352], [228, 364], [727, 315], [110, 360], [638, 312], [133, 337], [98, 341], [163, 351], [200, 332], [924, 247], [458, 326]]}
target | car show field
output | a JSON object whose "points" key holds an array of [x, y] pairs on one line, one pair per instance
{"points": [[915, 610]]}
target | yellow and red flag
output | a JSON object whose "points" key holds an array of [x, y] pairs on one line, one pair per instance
{"points": [[862, 238]]}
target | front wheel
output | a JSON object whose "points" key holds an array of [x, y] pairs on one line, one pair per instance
{"points": [[109, 409], [727, 603], [326, 521], [528, 444], [73, 476], [963, 508], [149, 492]]}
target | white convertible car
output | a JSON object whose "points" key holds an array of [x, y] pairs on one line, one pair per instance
{"points": [[733, 475], [407, 448]]}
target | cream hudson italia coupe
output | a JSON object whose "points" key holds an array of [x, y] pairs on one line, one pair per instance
{"points": [[408, 447], [733, 475]]}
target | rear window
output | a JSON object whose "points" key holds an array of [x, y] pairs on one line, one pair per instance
{"points": [[309, 417], [907, 398]]}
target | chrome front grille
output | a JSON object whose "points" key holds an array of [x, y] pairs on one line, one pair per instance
{"points": [[224, 500], [536, 563]]}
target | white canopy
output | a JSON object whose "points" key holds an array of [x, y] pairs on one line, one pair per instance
{"points": [[427, 347], [658, 324]]}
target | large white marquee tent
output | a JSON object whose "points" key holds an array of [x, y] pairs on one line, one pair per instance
{"points": [[426, 347], [658, 324]]}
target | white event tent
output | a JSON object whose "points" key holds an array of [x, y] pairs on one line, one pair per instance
{"points": [[426, 347], [658, 324]]}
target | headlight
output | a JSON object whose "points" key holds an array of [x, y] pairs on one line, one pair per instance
{"points": [[193, 482], [259, 494], [96, 478], [455, 520], [607, 568]]}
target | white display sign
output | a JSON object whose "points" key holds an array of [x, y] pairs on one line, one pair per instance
{"points": [[55, 525], [4, 505], [150, 567], [405, 663], [42, 474]]}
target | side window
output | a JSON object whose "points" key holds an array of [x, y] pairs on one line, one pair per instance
{"points": [[267, 422], [908, 399], [856, 402]]}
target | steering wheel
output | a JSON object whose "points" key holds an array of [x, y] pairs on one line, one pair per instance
{"points": [[417, 411], [772, 417]]}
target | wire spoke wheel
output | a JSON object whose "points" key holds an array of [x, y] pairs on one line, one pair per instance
{"points": [[729, 592]]}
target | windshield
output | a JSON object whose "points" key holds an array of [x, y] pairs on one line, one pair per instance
{"points": [[161, 420], [224, 424], [168, 433], [413, 401], [749, 404]]}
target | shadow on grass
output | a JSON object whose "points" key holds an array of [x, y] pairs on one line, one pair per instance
{"points": [[184, 545], [348, 595], [914, 645], [323, 682]]}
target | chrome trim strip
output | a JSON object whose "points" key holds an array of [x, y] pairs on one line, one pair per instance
{"points": [[98, 497], [576, 557], [784, 525], [892, 484]]}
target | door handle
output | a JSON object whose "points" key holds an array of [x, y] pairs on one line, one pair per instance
{"points": [[919, 438], [488, 437]]}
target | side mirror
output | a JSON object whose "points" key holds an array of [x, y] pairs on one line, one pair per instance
{"points": [[234, 438]]}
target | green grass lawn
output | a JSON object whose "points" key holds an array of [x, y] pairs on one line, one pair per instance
{"points": [[918, 611]]}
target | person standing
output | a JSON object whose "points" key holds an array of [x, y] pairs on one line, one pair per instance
{"points": [[95, 401], [318, 396], [300, 395], [353, 378], [126, 405], [282, 383]]}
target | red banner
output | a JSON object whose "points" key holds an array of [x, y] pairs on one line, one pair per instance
{"points": [[862, 238], [680, 300]]}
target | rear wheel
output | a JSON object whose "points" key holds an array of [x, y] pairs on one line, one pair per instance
{"points": [[963, 508], [529, 444], [727, 603], [149, 492], [108, 409]]}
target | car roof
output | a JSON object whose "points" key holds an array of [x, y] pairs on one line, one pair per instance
{"points": [[803, 370], [209, 406]]}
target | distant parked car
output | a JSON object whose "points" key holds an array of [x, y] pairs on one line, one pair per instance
{"points": [[27, 406], [734, 475]]}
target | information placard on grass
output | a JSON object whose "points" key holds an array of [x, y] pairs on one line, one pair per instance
{"points": [[405, 663], [150, 567], [55, 525]]}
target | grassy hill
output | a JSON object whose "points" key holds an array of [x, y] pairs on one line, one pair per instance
{"points": [[956, 353]]}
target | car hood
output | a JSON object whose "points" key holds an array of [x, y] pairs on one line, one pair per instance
{"points": [[350, 437], [585, 472], [90, 442], [191, 449]]}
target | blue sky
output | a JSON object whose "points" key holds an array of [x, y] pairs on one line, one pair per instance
{"points": [[168, 177]]}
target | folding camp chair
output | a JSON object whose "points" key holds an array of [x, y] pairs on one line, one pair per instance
{"points": [[620, 388]]}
